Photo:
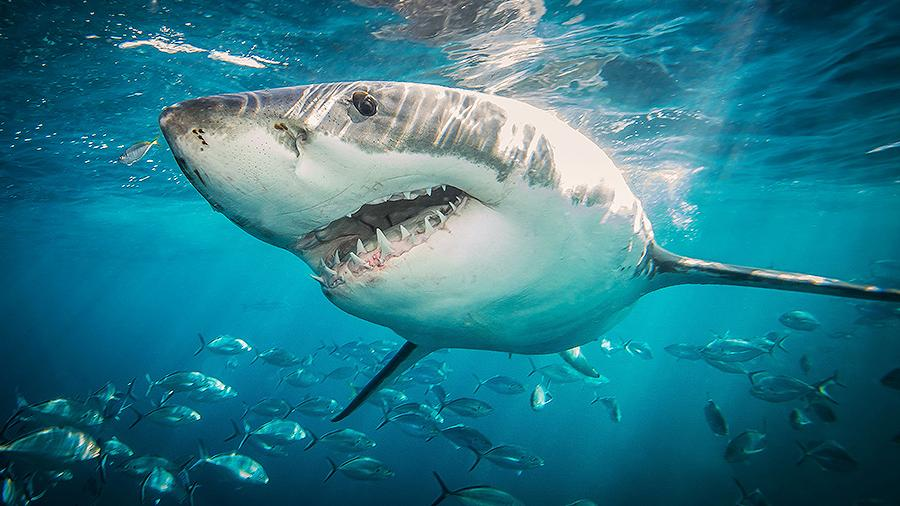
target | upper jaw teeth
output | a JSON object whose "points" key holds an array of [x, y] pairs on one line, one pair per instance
{"points": [[384, 245], [406, 195]]}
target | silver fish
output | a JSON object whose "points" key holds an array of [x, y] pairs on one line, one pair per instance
{"points": [[745, 444], [224, 345], [500, 384], [510, 457], [239, 467], [799, 320], [684, 351], [467, 406], [464, 436], [361, 468], [540, 397], [53, 444], [829, 455], [479, 495], [638, 349], [136, 151], [344, 440], [715, 419]]}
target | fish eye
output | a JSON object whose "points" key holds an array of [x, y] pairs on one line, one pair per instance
{"points": [[364, 103]]}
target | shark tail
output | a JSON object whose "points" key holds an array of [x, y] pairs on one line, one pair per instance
{"points": [[673, 269]]}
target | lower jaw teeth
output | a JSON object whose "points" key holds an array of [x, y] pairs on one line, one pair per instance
{"points": [[368, 257]]}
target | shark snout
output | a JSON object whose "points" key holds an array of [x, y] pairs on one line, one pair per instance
{"points": [[207, 114]]}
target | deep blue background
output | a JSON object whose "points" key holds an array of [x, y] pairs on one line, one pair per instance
{"points": [[746, 131]]}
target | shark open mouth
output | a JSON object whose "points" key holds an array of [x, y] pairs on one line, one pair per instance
{"points": [[385, 228]]}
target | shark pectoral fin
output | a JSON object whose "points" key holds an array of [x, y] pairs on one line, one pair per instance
{"points": [[405, 358], [671, 269]]}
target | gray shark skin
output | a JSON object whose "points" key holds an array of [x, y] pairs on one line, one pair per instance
{"points": [[455, 218]]}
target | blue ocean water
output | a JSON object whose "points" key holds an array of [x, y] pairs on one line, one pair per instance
{"points": [[760, 133]]}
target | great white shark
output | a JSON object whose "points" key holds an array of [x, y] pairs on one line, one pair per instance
{"points": [[455, 218]]}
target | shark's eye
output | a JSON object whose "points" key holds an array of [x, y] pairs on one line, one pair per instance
{"points": [[364, 103]]}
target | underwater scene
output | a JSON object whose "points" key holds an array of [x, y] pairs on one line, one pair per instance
{"points": [[477, 252]]}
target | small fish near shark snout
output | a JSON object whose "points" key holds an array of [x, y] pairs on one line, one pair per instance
{"points": [[455, 218]]}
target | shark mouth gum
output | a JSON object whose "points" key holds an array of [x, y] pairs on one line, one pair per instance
{"points": [[384, 228]]}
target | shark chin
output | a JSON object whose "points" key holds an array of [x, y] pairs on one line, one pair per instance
{"points": [[455, 218]]}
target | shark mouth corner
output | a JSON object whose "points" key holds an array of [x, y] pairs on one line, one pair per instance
{"points": [[363, 242]]}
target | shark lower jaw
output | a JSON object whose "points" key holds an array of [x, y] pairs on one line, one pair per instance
{"points": [[358, 247]]}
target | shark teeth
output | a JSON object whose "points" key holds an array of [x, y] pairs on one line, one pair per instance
{"points": [[404, 195], [383, 244], [356, 261], [374, 252]]}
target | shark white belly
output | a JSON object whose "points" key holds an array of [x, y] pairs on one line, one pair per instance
{"points": [[455, 218]]}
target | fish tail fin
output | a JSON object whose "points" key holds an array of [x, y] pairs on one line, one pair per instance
{"points": [[805, 453], [165, 398], [143, 487], [312, 440], [834, 379], [333, 469], [150, 384], [779, 344], [740, 487], [445, 492], [236, 430], [405, 358], [478, 455], [246, 410], [255, 356], [190, 490], [534, 368], [129, 393], [245, 436], [138, 418], [822, 387], [753, 374], [12, 420], [202, 344], [667, 269], [103, 468], [478, 383], [202, 454], [384, 420]]}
